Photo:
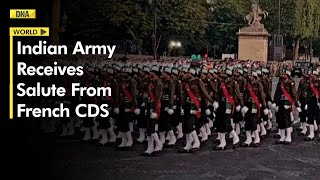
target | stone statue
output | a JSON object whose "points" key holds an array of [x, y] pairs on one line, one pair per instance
{"points": [[255, 17]]}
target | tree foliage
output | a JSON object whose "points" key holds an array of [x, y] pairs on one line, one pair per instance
{"points": [[198, 24]]}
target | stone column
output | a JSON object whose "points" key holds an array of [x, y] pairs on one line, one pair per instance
{"points": [[253, 43]]}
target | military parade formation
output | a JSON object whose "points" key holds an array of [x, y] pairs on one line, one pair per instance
{"points": [[165, 101]]}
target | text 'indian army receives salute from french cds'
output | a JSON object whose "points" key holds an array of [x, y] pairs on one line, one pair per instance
{"points": [[167, 101]]}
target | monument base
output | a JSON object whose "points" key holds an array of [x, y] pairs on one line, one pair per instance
{"points": [[253, 43]]}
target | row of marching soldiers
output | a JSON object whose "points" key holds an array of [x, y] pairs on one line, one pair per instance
{"points": [[171, 102]]}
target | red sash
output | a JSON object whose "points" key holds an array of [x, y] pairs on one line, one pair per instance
{"points": [[315, 91], [153, 98], [194, 99], [286, 94], [227, 95], [254, 97], [126, 92]]}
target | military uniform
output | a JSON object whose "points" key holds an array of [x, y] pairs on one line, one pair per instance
{"points": [[302, 96], [155, 89], [194, 93], [228, 94], [285, 99], [105, 127], [312, 105], [254, 106], [127, 108]]}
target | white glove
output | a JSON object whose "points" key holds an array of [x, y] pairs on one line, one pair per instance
{"points": [[299, 103], [287, 107], [143, 104], [244, 110], [299, 109], [319, 104], [276, 109], [238, 108], [266, 111], [170, 111], [137, 111], [116, 110], [182, 112], [208, 112], [215, 105], [270, 114], [153, 115], [274, 106], [306, 107]]}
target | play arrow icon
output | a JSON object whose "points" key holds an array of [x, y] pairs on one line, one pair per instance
{"points": [[42, 32]]}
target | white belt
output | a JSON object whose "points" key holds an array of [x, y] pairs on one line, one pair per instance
{"points": [[174, 107], [166, 108], [194, 111], [127, 110]]}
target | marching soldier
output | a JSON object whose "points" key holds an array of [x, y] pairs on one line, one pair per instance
{"points": [[89, 122], [142, 86], [105, 127], [313, 104], [254, 103], [177, 103], [240, 81], [285, 99], [266, 81], [126, 108], [153, 107], [167, 111], [227, 101], [302, 95], [195, 92]]}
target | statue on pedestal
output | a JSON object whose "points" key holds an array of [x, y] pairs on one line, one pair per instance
{"points": [[255, 16]]}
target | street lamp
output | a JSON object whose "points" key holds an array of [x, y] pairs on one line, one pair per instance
{"points": [[174, 45], [178, 44]]}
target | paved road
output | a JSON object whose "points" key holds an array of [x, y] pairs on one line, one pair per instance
{"points": [[71, 159], [52, 158]]}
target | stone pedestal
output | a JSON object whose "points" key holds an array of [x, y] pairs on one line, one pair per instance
{"points": [[253, 43]]}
